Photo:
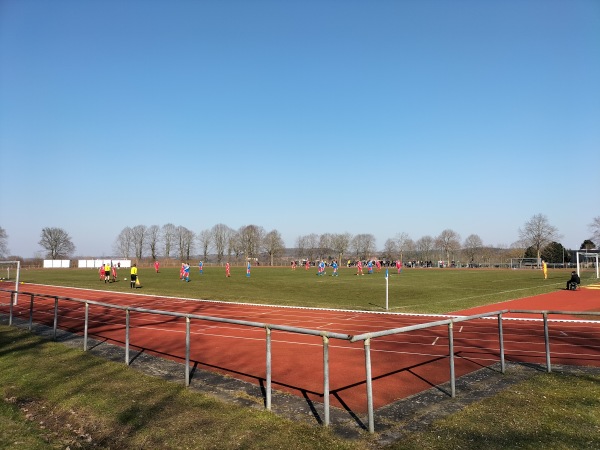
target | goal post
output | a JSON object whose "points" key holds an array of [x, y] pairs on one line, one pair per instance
{"points": [[588, 262], [10, 270]]}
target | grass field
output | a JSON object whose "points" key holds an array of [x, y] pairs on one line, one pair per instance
{"points": [[432, 291]]}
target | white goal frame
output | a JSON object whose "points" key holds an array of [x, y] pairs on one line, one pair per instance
{"points": [[18, 263], [588, 254]]}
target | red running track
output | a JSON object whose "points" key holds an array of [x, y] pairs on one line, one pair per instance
{"points": [[402, 365]]}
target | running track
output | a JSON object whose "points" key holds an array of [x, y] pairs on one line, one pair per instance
{"points": [[402, 365]]}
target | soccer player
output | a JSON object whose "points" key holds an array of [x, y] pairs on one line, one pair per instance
{"points": [[114, 273], [293, 265], [181, 271], [106, 273], [248, 270], [186, 272], [227, 270], [398, 266], [133, 276], [545, 269], [359, 270], [378, 265], [334, 265], [156, 266], [321, 270], [201, 267], [370, 267]]}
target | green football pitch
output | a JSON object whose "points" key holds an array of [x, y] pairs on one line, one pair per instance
{"points": [[412, 291]]}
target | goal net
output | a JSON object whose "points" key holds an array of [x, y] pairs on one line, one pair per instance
{"points": [[587, 265], [9, 274], [524, 263]]}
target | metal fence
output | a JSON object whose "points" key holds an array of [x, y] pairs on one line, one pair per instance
{"points": [[366, 338]]}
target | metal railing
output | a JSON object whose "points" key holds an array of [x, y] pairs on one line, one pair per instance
{"points": [[325, 335]]}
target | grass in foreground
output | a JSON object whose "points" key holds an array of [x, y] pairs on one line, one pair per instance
{"points": [[54, 396], [414, 290]]}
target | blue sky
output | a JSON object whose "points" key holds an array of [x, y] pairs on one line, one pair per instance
{"points": [[328, 116]]}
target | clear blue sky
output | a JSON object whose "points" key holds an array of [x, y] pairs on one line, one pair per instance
{"points": [[322, 116]]}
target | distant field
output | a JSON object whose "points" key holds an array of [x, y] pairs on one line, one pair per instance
{"points": [[413, 290]]}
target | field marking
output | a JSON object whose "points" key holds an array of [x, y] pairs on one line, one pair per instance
{"points": [[481, 296]]}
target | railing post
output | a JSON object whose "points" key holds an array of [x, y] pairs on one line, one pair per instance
{"points": [[501, 339], [10, 309], [85, 326], [31, 313], [547, 342], [451, 352], [55, 316], [187, 351], [127, 318], [326, 378], [268, 387], [367, 346]]}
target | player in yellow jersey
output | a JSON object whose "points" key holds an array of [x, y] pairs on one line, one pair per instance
{"points": [[133, 276]]}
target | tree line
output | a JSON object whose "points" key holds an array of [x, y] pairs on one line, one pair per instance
{"points": [[537, 238]]}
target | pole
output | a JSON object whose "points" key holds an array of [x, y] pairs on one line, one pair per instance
{"points": [[547, 342], [187, 351], [386, 290], [326, 378], [367, 347], [268, 381]]}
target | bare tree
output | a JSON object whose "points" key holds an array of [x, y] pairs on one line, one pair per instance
{"points": [[169, 238], [472, 246], [185, 242], [220, 237], [308, 246], [537, 233], [205, 239], [57, 243], [312, 246], [363, 245], [3, 243], [402, 240], [324, 244], [301, 246], [424, 246], [251, 240], [138, 234], [448, 241], [234, 245], [153, 240], [390, 249], [273, 244], [341, 243], [124, 243], [595, 229]]}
